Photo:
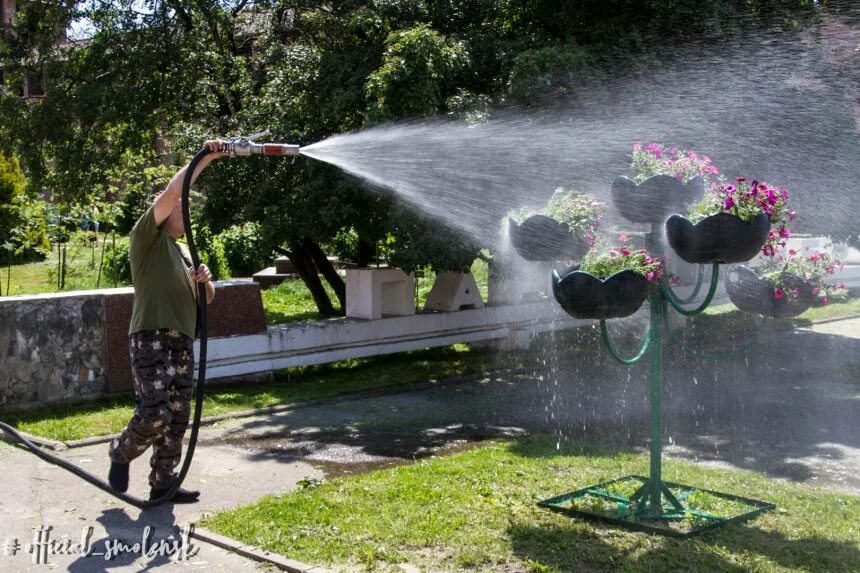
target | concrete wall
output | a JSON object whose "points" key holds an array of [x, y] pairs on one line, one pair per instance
{"points": [[74, 346]]}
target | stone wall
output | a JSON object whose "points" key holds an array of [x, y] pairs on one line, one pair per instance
{"points": [[74, 346]]}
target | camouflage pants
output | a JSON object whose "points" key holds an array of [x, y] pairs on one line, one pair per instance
{"points": [[162, 363]]}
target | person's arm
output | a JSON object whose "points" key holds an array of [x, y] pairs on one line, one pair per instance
{"points": [[166, 200], [202, 275]]}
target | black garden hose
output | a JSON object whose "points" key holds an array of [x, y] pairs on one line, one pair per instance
{"points": [[201, 380]]}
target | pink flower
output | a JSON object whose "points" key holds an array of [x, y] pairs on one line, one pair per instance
{"points": [[815, 291], [649, 276], [679, 176], [730, 189], [784, 233], [792, 253], [814, 257], [841, 285], [824, 300], [622, 238], [792, 216], [625, 251], [693, 155], [637, 146], [729, 203], [778, 294], [674, 280], [741, 179]]}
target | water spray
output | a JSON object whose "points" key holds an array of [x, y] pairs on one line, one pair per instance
{"points": [[235, 147]]}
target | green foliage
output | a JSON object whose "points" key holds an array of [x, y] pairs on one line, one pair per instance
{"points": [[141, 184], [417, 74], [211, 251], [150, 85], [580, 211], [244, 249], [23, 230], [553, 69], [116, 265]]}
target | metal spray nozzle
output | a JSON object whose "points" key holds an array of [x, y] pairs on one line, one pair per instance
{"points": [[243, 146]]}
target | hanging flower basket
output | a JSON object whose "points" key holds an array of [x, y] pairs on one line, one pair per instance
{"points": [[754, 293], [720, 238], [583, 295], [542, 238], [653, 200]]}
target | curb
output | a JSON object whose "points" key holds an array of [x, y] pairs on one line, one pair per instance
{"points": [[251, 552], [209, 420]]}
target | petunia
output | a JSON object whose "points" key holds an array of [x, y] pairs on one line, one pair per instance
{"points": [[649, 276], [815, 290], [778, 293], [823, 300], [729, 203]]}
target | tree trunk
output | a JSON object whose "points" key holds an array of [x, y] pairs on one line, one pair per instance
{"points": [[365, 251], [304, 265], [328, 271]]}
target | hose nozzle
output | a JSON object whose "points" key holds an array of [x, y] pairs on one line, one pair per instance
{"points": [[243, 146]]}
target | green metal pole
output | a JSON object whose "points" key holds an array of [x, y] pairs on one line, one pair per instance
{"points": [[657, 309]]}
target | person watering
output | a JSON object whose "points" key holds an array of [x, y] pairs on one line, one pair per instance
{"points": [[161, 339]]}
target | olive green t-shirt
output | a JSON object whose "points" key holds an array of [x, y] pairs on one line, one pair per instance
{"points": [[164, 294]]}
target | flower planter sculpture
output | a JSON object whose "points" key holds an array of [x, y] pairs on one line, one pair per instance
{"points": [[719, 238], [542, 238], [750, 291], [784, 287], [584, 295], [561, 231], [636, 502], [655, 198]]}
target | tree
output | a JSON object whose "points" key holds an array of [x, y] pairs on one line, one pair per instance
{"points": [[151, 84]]}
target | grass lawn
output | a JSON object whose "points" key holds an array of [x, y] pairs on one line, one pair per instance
{"points": [[82, 269], [475, 511], [102, 417]]}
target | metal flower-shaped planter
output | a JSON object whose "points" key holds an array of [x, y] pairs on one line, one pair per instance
{"points": [[583, 295], [542, 238], [653, 200], [751, 292], [720, 238]]}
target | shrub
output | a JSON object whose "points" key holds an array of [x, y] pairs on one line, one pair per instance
{"points": [[244, 249], [211, 251], [23, 231], [116, 266]]}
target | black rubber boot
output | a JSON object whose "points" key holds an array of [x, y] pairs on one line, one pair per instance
{"points": [[118, 476], [181, 495]]}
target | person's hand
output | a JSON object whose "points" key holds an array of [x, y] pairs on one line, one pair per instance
{"points": [[217, 147], [202, 274]]}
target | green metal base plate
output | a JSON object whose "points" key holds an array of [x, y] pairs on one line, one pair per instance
{"points": [[684, 511]]}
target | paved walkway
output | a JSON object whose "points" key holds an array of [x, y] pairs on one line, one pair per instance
{"points": [[790, 408]]}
